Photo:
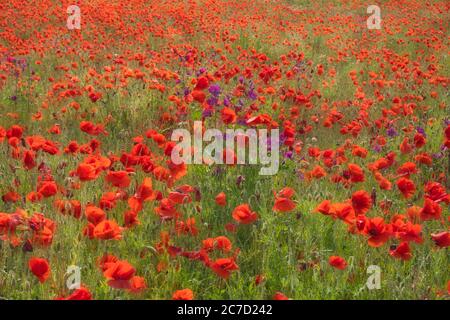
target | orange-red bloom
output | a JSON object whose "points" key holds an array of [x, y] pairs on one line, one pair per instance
{"points": [[406, 187], [402, 251], [79, 294], [118, 270], [244, 215], [118, 179], [184, 294], [283, 205], [356, 173], [280, 296], [441, 239], [337, 262], [228, 115], [378, 231], [430, 211], [108, 229], [48, 188], [221, 199], [361, 202], [283, 202], [94, 214], [40, 268], [324, 207], [224, 266]]}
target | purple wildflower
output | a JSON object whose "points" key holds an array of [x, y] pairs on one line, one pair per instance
{"points": [[421, 131], [226, 101], [391, 132], [214, 90], [288, 155], [377, 148], [207, 113]]}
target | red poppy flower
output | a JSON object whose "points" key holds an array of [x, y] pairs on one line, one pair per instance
{"points": [[402, 251], [108, 229], [406, 187], [137, 284], [441, 239], [280, 296], [29, 159], [11, 196], [224, 266], [407, 169], [40, 268], [48, 188], [106, 261], [228, 115], [199, 96], [286, 193], [118, 179], [343, 211], [409, 232], [87, 172], [184, 294], [119, 270], [244, 215], [72, 207], [167, 210], [430, 211], [221, 199], [220, 243], [361, 202], [186, 227], [337, 262], [318, 172], [283, 205], [92, 129], [15, 131], [95, 96], [94, 214], [79, 294], [259, 279], [384, 183], [378, 231], [324, 207], [145, 191], [419, 140], [202, 83], [437, 192], [179, 197], [356, 173]]}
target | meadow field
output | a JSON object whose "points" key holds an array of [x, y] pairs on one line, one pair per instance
{"points": [[94, 207]]}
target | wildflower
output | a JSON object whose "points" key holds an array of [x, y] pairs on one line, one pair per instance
{"points": [[224, 266], [40, 268], [244, 215], [361, 202], [184, 294], [221, 199], [337, 262]]}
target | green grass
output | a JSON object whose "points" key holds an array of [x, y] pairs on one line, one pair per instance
{"points": [[291, 250]]}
